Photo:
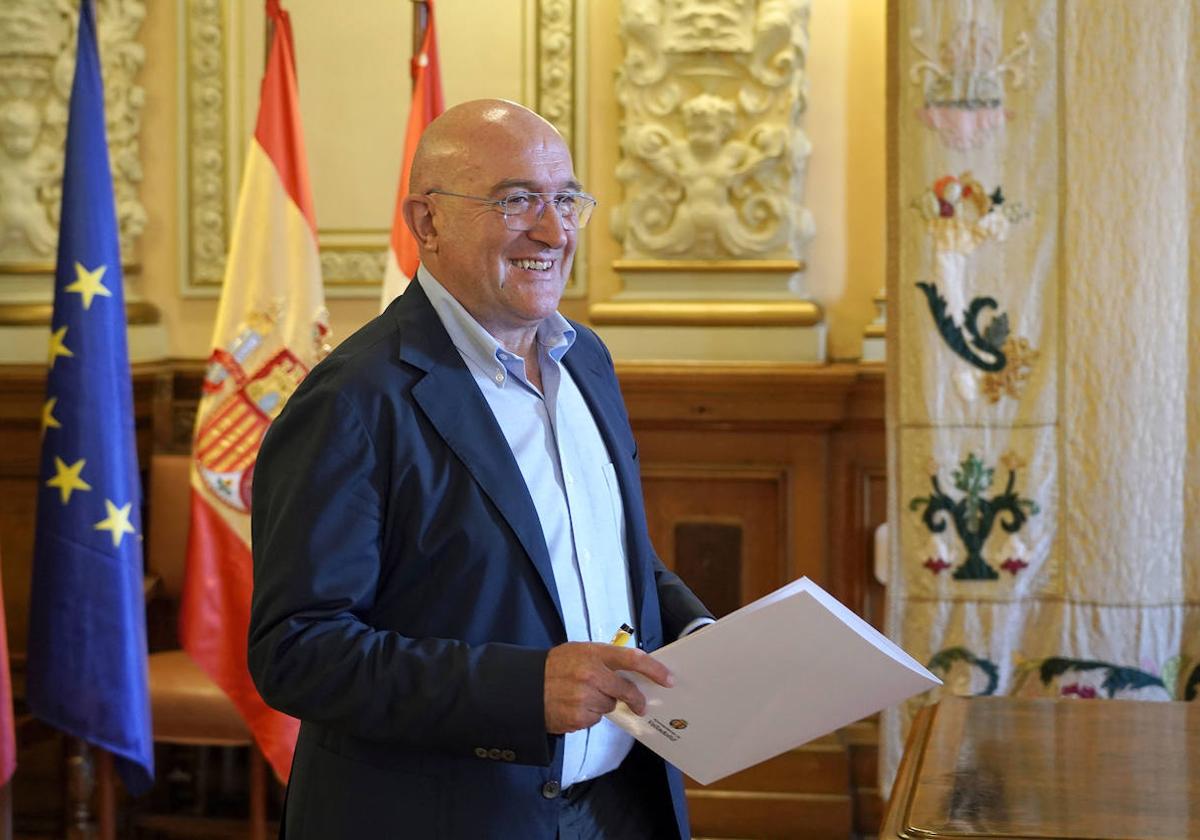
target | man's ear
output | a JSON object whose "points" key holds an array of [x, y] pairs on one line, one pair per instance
{"points": [[418, 215]]}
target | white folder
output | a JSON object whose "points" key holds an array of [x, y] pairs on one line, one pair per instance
{"points": [[777, 673]]}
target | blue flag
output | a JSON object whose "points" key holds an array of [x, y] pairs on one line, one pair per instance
{"points": [[87, 628]]}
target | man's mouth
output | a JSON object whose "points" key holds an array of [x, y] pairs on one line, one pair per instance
{"points": [[534, 265]]}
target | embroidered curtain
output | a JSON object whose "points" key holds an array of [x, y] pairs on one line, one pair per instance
{"points": [[1044, 351]]}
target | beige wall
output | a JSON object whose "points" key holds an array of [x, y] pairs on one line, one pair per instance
{"points": [[485, 57]]}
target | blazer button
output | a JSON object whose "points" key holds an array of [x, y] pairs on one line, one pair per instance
{"points": [[508, 755], [550, 790], [480, 752], [493, 753]]}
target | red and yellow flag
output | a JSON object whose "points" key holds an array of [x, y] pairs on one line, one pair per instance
{"points": [[427, 104], [271, 329]]}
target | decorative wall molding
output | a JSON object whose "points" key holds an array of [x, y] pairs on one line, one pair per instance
{"points": [[206, 142], [37, 65], [556, 65], [713, 158], [356, 267]]}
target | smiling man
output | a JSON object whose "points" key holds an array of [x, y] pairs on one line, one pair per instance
{"points": [[448, 530]]}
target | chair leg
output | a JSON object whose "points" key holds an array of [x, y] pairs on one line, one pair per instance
{"points": [[6, 811], [258, 795]]}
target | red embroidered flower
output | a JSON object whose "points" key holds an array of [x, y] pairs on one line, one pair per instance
{"points": [[1013, 565], [1083, 692], [936, 564]]}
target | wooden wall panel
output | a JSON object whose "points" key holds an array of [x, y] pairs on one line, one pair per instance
{"points": [[794, 456]]}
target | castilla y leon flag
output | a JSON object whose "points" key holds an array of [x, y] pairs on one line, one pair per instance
{"points": [[271, 329], [426, 105], [86, 671]]}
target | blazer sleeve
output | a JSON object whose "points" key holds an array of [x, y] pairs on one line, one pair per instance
{"points": [[318, 494]]}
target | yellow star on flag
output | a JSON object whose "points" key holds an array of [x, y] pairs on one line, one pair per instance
{"points": [[57, 348], [67, 479], [117, 522], [49, 421], [88, 284]]}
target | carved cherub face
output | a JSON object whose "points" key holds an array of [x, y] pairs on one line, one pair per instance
{"points": [[20, 124], [708, 120]]}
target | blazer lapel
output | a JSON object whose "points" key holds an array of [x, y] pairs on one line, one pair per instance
{"points": [[450, 399]]}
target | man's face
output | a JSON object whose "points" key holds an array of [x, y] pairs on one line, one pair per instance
{"points": [[508, 280]]}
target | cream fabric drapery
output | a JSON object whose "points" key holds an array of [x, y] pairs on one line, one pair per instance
{"points": [[1044, 355]]}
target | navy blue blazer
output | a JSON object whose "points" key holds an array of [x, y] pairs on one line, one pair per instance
{"points": [[403, 595]]}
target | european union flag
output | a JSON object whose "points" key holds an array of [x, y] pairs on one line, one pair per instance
{"points": [[87, 629]]}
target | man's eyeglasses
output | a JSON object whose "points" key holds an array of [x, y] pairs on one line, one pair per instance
{"points": [[522, 211]]}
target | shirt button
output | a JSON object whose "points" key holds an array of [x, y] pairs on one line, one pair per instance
{"points": [[550, 790], [499, 377]]}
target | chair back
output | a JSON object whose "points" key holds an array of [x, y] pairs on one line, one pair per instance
{"points": [[170, 516]]}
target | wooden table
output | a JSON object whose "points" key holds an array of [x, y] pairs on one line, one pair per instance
{"points": [[1024, 768]]}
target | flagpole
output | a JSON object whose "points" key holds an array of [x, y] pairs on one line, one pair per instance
{"points": [[420, 22]]}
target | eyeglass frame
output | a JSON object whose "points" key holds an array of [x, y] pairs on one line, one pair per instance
{"points": [[502, 205]]}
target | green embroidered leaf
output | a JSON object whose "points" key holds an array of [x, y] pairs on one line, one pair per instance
{"points": [[1119, 679], [1170, 675], [972, 477], [944, 659], [1056, 666]]}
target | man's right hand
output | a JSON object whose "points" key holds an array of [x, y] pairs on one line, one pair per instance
{"points": [[582, 684]]}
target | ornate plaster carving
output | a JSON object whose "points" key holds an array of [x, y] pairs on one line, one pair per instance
{"points": [[206, 100], [556, 65], [37, 64], [352, 266], [713, 158]]}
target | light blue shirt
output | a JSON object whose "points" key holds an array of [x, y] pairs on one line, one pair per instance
{"points": [[573, 483]]}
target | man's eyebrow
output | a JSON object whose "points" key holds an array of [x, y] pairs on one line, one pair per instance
{"points": [[530, 186]]}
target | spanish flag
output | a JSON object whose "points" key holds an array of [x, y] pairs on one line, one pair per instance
{"points": [[271, 329], [427, 104]]}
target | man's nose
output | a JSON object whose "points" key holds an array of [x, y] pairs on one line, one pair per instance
{"points": [[549, 229]]}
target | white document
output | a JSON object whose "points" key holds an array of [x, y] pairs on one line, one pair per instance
{"points": [[788, 668]]}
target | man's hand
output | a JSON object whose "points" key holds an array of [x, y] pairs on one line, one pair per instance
{"points": [[582, 684]]}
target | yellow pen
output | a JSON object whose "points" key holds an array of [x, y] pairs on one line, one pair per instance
{"points": [[623, 636]]}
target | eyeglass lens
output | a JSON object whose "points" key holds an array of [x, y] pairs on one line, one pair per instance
{"points": [[523, 212]]}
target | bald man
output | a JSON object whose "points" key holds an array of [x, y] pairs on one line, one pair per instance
{"points": [[448, 530]]}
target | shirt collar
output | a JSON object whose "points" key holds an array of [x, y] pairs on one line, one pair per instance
{"points": [[555, 335]]}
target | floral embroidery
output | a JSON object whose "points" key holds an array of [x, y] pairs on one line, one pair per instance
{"points": [[1011, 380], [944, 660], [960, 216], [1084, 692], [1116, 677], [964, 83], [974, 514]]}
